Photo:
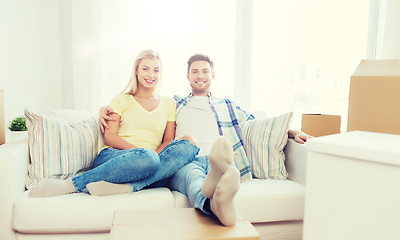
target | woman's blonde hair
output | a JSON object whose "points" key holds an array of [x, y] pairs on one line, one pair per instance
{"points": [[133, 82]]}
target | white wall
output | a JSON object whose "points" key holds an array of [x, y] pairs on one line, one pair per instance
{"points": [[30, 56]]}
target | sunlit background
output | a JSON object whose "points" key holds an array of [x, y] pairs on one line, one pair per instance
{"points": [[272, 56]]}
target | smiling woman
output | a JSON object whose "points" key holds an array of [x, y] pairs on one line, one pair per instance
{"points": [[140, 146]]}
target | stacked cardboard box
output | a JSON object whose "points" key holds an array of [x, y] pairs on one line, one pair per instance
{"points": [[374, 99], [318, 125]]}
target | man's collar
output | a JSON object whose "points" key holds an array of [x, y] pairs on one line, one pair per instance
{"points": [[209, 95]]}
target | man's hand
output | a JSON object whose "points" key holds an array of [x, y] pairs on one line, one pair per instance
{"points": [[103, 116], [299, 136]]}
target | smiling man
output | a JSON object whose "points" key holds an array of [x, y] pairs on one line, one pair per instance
{"points": [[210, 181], [196, 116]]}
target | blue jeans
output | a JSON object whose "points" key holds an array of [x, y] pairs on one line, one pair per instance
{"points": [[139, 167], [189, 180]]}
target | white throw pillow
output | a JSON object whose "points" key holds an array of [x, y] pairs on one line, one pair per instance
{"points": [[60, 149], [264, 140]]}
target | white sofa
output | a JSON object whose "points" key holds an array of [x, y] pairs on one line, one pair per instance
{"points": [[274, 207]]}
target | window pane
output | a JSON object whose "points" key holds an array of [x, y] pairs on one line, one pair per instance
{"points": [[177, 29], [304, 53]]}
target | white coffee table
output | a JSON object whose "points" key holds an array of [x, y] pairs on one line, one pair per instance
{"points": [[353, 187], [180, 223]]}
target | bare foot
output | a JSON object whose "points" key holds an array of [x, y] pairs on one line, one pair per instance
{"points": [[220, 158], [103, 188], [52, 187], [222, 204]]}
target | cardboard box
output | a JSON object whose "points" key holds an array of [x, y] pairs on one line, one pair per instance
{"points": [[374, 102], [2, 125], [320, 124]]}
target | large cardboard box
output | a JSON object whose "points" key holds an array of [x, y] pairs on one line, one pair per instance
{"points": [[2, 125], [374, 99], [318, 125]]}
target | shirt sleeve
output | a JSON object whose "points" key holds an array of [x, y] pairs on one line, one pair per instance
{"points": [[171, 109], [117, 103], [177, 98], [242, 115]]}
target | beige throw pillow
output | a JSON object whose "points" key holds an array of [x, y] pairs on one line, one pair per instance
{"points": [[59, 149], [264, 140]]}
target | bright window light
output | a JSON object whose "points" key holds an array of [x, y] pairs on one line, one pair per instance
{"points": [[176, 29], [304, 53]]}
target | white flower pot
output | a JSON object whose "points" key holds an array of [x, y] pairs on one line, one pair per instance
{"points": [[17, 135]]}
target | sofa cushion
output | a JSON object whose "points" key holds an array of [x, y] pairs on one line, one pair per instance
{"points": [[81, 212], [63, 236], [181, 201], [264, 140], [263, 200]]}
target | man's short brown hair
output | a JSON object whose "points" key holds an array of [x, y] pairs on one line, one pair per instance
{"points": [[200, 57]]}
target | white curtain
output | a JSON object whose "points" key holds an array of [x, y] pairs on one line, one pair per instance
{"points": [[100, 40], [387, 30], [81, 54]]}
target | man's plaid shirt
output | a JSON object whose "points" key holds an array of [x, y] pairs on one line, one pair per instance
{"points": [[228, 116]]}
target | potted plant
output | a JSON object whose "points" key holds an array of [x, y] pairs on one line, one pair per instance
{"points": [[17, 124], [18, 128]]}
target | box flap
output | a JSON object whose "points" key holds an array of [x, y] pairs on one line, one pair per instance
{"points": [[378, 68]]}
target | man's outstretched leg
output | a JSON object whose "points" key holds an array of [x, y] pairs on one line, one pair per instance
{"points": [[222, 186], [220, 159]]}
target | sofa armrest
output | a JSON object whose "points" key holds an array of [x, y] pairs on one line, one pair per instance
{"points": [[14, 160], [296, 161]]}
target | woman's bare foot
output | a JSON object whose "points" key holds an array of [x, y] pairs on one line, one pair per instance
{"points": [[103, 188], [52, 187]]}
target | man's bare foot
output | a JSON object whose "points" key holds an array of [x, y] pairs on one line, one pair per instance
{"points": [[222, 204], [220, 158], [103, 188], [52, 187]]}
